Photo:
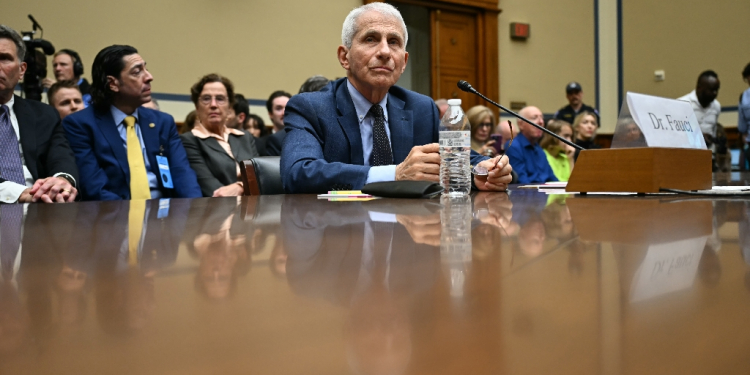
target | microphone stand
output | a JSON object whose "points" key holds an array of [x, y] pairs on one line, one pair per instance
{"points": [[465, 86]]}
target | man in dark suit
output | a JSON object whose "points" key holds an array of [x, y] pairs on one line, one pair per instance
{"points": [[107, 136], [363, 129], [36, 162]]}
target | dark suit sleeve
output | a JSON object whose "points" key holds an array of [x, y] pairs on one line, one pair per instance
{"points": [[206, 180], [60, 158], [93, 178], [304, 168], [185, 181]]}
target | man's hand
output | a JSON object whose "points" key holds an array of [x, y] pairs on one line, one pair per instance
{"points": [[231, 190], [26, 196], [499, 176], [47, 82], [422, 163], [52, 190]]}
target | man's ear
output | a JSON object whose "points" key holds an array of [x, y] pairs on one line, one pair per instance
{"points": [[113, 84], [406, 60], [22, 67], [343, 55], [241, 119]]}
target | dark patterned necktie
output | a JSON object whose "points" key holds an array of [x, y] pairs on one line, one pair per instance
{"points": [[381, 147], [11, 167], [11, 220]]}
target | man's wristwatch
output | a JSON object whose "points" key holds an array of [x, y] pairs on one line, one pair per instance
{"points": [[67, 177]]}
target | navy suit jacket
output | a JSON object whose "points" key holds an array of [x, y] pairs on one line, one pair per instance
{"points": [[103, 162], [323, 145]]}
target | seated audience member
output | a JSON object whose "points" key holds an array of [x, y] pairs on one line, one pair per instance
{"points": [[36, 163], [559, 155], [123, 150], [276, 105], [707, 110], [213, 149], [274, 142], [67, 66], [256, 126], [574, 93], [743, 121], [525, 154], [482, 121], [628, 134], [314, 83], [65, 97], [153, 104], [189, 123], [442, 105], [363, 128], [584, 131], [238, 113]]}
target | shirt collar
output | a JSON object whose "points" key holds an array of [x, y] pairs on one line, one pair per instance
{"points": [[201, 132], [119, 115], [522, 140], [11, 102], [362, 105]]}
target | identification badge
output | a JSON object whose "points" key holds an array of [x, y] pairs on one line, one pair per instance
{"points": [[166, 177]]}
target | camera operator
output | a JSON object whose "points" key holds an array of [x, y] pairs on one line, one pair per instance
{"points": [[67, 66]]}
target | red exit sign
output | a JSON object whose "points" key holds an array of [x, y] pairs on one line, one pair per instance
{"points": [[519, 30]]}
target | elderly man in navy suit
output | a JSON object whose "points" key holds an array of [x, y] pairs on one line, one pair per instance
{"points": [[362, 128], [123, 150]]}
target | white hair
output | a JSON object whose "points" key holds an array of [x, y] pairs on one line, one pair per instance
{"points": [[350, 23]]}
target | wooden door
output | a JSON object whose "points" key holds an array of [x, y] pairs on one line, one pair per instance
{"points": [[454, 55]]}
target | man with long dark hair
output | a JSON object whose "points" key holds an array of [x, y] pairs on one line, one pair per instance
{"points": [[123, 150]]}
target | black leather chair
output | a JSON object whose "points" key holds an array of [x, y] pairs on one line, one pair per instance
{"points": [[261, 175]]}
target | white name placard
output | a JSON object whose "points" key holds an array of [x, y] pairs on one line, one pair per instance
{"points": [[666, 122]]}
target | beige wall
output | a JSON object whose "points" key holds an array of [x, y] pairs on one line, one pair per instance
{"points": [[262, 45], [265, 45], [559, 50], [684, 38]]}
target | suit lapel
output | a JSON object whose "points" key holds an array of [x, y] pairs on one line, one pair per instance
{"points": [[239, 149], [402, 129], [108, 127], [27, 132], [350, 124]]}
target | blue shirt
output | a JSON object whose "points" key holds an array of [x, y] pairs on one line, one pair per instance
{"points": [[119, 117], [86, 97], [362, 106], [529, 162], [743, 124]]}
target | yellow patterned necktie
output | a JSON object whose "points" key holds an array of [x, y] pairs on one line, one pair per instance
{"points": [[135, 229], [138, 180]]}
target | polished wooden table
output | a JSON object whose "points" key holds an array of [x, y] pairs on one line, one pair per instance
{"points": [[519, 283]]}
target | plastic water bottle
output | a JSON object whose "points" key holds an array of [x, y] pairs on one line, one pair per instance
{"points": [[455, 147]]}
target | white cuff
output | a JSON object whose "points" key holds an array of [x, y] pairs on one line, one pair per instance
{"points": [[10, 191], [67, 177]]}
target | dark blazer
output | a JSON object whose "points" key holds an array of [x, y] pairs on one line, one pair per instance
{"points": [[103, 161], [214, 167], [323, 145], [274, 143], [45, 149]]}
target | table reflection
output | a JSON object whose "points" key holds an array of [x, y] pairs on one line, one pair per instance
{"points": [[497, 283]]}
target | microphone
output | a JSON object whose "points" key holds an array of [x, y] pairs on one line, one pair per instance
{"points": [[35, 25], [466, 86]]}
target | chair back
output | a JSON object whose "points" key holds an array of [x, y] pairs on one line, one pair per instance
{"points": [[261, 175]]}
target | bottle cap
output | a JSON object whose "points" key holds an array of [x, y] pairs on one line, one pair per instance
{"points": [[454, 101]]}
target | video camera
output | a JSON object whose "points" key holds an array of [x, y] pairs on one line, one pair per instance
{"points": [[36, 61]]}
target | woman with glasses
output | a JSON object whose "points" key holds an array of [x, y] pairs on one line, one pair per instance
{"points": [[213, 149], [482, 121]]}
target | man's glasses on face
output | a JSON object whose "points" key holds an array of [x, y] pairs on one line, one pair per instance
{"points": [[207, 99]]}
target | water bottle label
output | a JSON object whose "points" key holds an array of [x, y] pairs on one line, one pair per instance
{"points": [[455, 138]]}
